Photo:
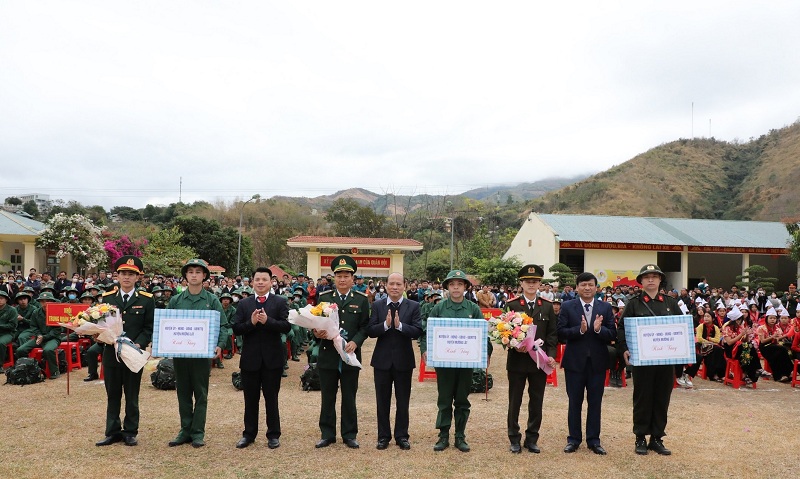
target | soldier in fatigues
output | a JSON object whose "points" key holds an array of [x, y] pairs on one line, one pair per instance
{"points": [[453, 384], [46, 337], [26, 312], [191, 374], [137, 311], [8, 326], [353, 320], [652, 385], [229, 312]]}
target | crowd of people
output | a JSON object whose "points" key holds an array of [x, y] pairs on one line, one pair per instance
{"points": [[758, 330]]}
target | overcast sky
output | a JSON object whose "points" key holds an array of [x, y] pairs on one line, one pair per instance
{"points": [[111, 102]]}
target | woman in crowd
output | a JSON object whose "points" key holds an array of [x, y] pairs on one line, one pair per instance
{"points": [[738, 345], [708, 339], [777, 356]]}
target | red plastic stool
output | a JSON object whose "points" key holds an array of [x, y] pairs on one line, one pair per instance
{"points": [[9, 357], [100, 362], [36, 355], [733, 366], [560, 352], [68, 347], [423, 373], [795, 381], [702, 371], [552, 378]]}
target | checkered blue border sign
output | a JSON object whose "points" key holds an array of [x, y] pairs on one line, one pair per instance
{"points": [[173, 317], [466, 335], [660, 340]]}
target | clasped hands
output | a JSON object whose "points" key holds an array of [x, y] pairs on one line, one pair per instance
{"points": [[258, 316], [392, 322], [598, 322]]}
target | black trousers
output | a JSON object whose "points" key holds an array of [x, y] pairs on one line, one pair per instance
{"points": [[119, 379], [652, 390], [254, 384], [593, 384], [384, 378], [329, 380], [536, 381]]}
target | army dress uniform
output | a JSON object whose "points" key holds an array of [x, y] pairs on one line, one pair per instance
{"points": [[652, 385], [191, 374], [353, 320], [137, 312], [521, 368], [453, 384]]}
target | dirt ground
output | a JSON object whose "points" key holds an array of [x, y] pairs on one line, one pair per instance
{"points": [[713, 431]]}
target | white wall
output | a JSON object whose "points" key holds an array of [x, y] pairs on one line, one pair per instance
{"points": [[535, 243], [599, 259]]}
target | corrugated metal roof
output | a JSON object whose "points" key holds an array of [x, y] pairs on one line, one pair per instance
{"points": [[668, 231], [13, 224]]}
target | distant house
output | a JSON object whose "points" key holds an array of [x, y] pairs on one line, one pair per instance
{"points": [[18, 242]]}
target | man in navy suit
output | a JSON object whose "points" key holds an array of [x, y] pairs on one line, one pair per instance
{"points": [[587, 326], [260, 320], [396, 322]]}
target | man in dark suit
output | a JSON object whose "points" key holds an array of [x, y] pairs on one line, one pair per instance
{"points": [[520, 366], [260, 320], [587, 326], [353, 321], [396, 322], [138, 310]]}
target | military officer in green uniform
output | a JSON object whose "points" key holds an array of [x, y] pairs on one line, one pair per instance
{"points": [[652, 385], [191, 374], [8, 326], [46, 337], [159, 297], [70, 295], [353, 321], [225, 326], [26, 312], [298, 333], [453, 384], [137, 309]]}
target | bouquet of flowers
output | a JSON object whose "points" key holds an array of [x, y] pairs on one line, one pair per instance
{"points": [[105, 322], [516, 330], [325, 317]]}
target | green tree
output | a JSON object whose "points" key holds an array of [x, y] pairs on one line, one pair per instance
{"points": [[497, 270], [127, 213], [31, 208], [754, 277], [351, 219], [165, 253], [561, 274], [214, 243], [13, 201], [438, 264]]}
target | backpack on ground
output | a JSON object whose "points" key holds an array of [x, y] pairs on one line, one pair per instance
{"points": [[25, 371], [479, 381], [164, 375], [309, 380]]}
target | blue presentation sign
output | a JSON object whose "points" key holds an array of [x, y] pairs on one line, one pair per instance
{"points": [[457, 342], [185, 333], [660, 340]]}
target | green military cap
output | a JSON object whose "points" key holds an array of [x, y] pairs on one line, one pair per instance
{"points": [[24, 293], [237, 292], [93, 287], [531, 271], [156, 289], [67, 289], [456, 274], [141, 288], [196, 262], [225, 296], [300, 274], [48, 286], [648, 269], [28, 289], [87, 295], [433, 295], [129, 263], [46, 296], [248, 290], [5, 295], [299, 291], [344, 263]]}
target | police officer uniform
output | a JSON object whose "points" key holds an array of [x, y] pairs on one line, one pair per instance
{"points": [[137, 322], [353, 320], [652, 385]]}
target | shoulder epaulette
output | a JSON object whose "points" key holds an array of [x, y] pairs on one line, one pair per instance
{"points": [[545, 300], [146, 294], [326, 292], [359, 292], [109, 293]]}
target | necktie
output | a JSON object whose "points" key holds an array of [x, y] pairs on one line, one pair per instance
{"points": [[587, 306], [394, 306], [261, 299], [343, 297], [530, 304], [125, 299]]}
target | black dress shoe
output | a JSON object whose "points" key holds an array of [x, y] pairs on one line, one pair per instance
{"points": [[109, 440], [641, 446], [178, 442], [131, 441], [515, 448], [403, 444], [532, 447], [273, 443], [598, 449], [198, 443], [382, 444], [351, 443], [91, 377], [570, 447], [324, 443], [244, 442], [657, 446]]}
